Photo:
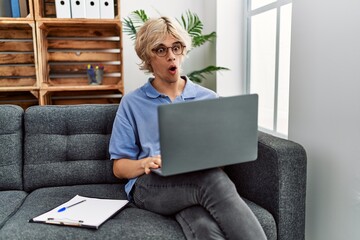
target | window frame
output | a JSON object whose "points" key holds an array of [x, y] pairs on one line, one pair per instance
{"points": [[277, 4]]}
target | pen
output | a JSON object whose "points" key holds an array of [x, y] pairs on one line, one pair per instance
{"points": [[64, 208]]}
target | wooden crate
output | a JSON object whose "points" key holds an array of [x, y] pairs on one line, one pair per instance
{"points": [[20, 98], [18, 55], [81, 97], [67, 48], [47, 9]]}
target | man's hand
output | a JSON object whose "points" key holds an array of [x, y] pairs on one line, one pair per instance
{"points": [[151, 162]]}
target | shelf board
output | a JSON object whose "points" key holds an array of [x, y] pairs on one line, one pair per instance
{"points": [[16, 21], [71, 22], [80, 88], [78, 20], [19, 89], [88, 96]]}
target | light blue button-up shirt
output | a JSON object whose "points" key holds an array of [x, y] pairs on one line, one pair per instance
{"points": [[135, 133]]}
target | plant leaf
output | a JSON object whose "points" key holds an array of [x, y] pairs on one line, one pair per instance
{"points": [[140, 16], [191, 23], [129, 28], [134, 22], [199, 75], [200, 40]]}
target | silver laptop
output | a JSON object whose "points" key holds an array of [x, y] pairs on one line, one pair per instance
{"points": [[208, 133]]}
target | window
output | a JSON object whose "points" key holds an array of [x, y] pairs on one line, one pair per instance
{"points": [[268, 61]]}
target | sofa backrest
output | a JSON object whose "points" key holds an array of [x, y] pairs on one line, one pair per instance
{"points": [[67, 145], [11, 134]]}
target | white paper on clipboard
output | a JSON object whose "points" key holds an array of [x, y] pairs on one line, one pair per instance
{"points": [[83, 212]]}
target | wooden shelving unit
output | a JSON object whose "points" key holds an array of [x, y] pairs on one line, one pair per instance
{"points": [[48, 56], [19, 82]]}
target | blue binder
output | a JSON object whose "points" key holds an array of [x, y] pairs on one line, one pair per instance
{"points": [[15, 8]]}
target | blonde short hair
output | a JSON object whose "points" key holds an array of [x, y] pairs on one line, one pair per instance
{"points": [[152, 33]]}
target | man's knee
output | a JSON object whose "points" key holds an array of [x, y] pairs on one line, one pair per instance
{"points": [[197, 223], [216, 180]]}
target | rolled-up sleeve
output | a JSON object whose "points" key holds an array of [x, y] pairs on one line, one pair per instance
{"points": [[123, 141]]}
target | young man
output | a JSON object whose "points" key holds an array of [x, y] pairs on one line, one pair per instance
{"points": [[206, 203]]}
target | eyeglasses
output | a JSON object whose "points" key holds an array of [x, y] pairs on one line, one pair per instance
{"points": [[162, 51]]}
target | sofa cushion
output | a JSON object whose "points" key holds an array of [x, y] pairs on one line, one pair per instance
{"points": [[11, 122], [129, 223], [10, 201], [265, 218], [67, 145]]}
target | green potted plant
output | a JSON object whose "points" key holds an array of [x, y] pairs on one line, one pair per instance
{"points": [[192, 23]]}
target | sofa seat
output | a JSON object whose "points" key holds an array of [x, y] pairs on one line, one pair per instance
{"points": [[10, 201], [129, 223]]}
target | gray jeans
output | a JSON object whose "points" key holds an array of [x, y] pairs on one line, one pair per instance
{"points": [[205, 203]]}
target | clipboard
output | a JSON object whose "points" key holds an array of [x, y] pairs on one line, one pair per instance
{"points": [[82, 212]]}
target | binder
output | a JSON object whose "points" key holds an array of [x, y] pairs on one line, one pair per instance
{"points": [[78, 9], [24, 9], [63, 8], [5, 8], [82, 212], [107, 9], [92, 9], [15, 8]]}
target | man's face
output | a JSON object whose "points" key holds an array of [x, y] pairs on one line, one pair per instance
{"points": [[167, 67]]}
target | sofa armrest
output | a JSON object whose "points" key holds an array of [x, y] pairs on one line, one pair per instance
{"points": [[277, 182]]}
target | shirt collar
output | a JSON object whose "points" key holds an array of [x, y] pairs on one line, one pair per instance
{"points": [[188, 93]]}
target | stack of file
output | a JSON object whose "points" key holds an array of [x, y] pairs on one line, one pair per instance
{"points": [[14, 8], [85, 9]]}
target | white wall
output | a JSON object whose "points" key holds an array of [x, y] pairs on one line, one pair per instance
{"points": [[324, 94], [230, 47], [325, 113], [198, 58]]}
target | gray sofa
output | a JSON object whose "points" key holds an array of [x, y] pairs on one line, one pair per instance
{"points": [[48, 154]]}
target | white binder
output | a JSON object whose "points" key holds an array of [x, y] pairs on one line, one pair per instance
{"points": [[63, 8], [107, 9], [92, 9], [78, 9]]}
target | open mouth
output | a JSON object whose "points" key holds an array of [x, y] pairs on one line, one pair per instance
{"points": [[172, 69]]}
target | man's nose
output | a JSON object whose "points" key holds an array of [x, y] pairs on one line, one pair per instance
{"points": [[170, 55]]}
